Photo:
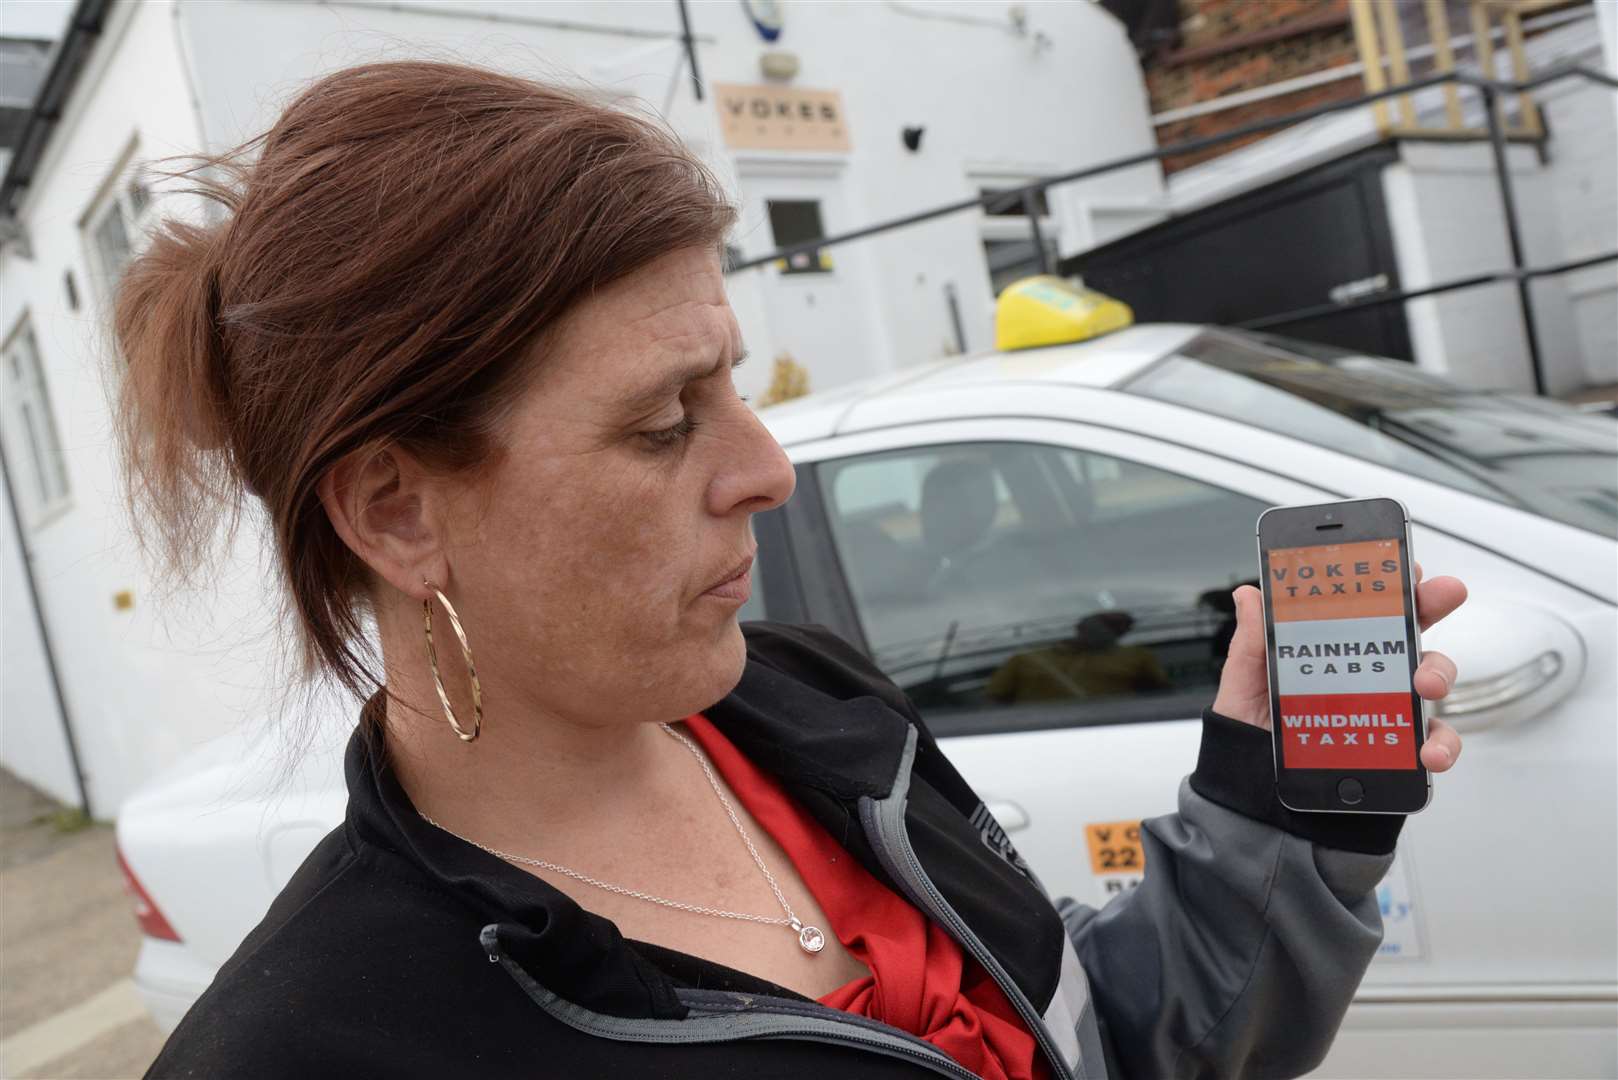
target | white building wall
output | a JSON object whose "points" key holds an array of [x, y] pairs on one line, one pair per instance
{"points": [[996, 103], [173, 76], [1582, 176], [32, 742], [144, 684], [998, 109], [1445, 212], [1607, 26], [1567, 202]]}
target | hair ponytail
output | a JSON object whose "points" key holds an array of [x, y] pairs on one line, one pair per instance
{"points": [[173, 407]]}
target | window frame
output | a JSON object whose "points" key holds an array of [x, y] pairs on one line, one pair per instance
{"points": [[117, 193], [809, 264], [1011, 225], [777, 595], [839, 611], [37, 509]]}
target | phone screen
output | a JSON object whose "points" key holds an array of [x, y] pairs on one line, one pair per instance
{"points": [[1343, 656]]}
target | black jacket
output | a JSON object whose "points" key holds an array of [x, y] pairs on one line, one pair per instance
{"points": [[397, 950]]}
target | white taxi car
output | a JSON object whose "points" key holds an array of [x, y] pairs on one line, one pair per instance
{"points": [[952, 516]]}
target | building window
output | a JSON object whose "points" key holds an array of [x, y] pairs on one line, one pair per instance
{"points": [[109, 238], [139, 197], [1008, 242], [1015, 208], [39, 469], [796, 221], [1012, 260], [114, 227]]}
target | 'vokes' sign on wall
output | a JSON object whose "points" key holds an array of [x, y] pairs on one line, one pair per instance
{"points": [[781, 118]]}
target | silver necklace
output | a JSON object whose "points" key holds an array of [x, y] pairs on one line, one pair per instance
{"points": [[810, 938]]}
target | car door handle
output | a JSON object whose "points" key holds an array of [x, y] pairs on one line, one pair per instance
{"points": [[1010, 816]]}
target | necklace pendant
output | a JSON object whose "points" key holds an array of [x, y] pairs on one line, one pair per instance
{"points": [[810, 939]]}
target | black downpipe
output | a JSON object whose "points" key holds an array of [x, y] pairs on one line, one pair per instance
{"points": [[1030, 207], [44, 632], [954, 303], [690, 50], [1502, 175]]}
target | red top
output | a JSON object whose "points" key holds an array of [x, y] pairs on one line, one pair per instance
{"points": [[920, 980]]}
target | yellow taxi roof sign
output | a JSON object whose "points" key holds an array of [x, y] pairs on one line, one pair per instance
{"points": [[1048, 310]]}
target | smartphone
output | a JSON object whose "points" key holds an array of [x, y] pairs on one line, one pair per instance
{"points": [[1342, 642]]}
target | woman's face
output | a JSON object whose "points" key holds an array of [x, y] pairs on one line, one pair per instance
{"points": [[590, 566]]}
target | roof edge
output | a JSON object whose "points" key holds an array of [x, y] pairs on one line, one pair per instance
{"points": [[67, 65]]}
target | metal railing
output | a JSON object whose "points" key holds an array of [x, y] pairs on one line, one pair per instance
{"points": [[1490, 91]]}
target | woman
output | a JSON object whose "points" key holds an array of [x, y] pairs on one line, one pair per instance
{"points": [[466, 339]]}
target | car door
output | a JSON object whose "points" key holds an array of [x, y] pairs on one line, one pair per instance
{"points": [[956, 551], [1054, 597]]}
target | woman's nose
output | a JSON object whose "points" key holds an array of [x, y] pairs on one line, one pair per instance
{"points": [[756, 475]]}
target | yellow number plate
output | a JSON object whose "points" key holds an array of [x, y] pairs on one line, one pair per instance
{"points": [[1115, 847]]}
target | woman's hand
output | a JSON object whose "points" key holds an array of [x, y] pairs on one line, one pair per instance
{"points": [[1244, 689]]}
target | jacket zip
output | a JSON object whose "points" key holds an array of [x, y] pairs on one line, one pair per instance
{"points": [[893, 845], [716, 1017]]}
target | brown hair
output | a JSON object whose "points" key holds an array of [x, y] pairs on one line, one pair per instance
{"points": [[403, 236]]}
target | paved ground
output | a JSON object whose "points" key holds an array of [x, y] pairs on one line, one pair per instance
{"points": [[67, 945]]}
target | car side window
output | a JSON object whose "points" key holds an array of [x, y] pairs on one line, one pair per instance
{"points": [[1020, 585], [764, 530], [754, 607]]}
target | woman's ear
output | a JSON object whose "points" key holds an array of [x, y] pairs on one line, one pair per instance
{"points": [[385, 507]]}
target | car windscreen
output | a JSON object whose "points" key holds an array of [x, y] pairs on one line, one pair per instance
{"points": [[1536, 454]]}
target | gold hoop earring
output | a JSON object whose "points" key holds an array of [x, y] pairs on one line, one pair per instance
{"points": [[471, 668]]}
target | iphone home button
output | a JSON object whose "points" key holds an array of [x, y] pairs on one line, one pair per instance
{"points": [[1350, 791]]}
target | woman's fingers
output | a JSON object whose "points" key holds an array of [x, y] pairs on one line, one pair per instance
{"points": [[1437, 598], [1443, 746], [1434, 676]]}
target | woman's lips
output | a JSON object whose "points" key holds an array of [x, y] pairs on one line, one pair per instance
{"points": [[737, 587]]}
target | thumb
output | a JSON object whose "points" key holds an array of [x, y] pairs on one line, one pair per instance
{"points": [[1249, 638], [1243, 687]]}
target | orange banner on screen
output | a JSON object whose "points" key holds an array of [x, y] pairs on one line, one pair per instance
{"points": [[1336, 581], [1347, 731]]}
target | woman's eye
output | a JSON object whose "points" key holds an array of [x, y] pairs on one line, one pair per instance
{"points": [[671, 436]]}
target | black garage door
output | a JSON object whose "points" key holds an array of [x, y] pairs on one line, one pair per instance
{"points": [[1302, 241]]}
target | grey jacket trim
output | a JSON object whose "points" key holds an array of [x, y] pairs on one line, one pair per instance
{"points": [[1239, 952], [716, 1017], [884, 825], [1071, 1019], [1237, 955]]}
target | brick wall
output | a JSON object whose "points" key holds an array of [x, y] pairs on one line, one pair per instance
{"points": [[1202, 67]]}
